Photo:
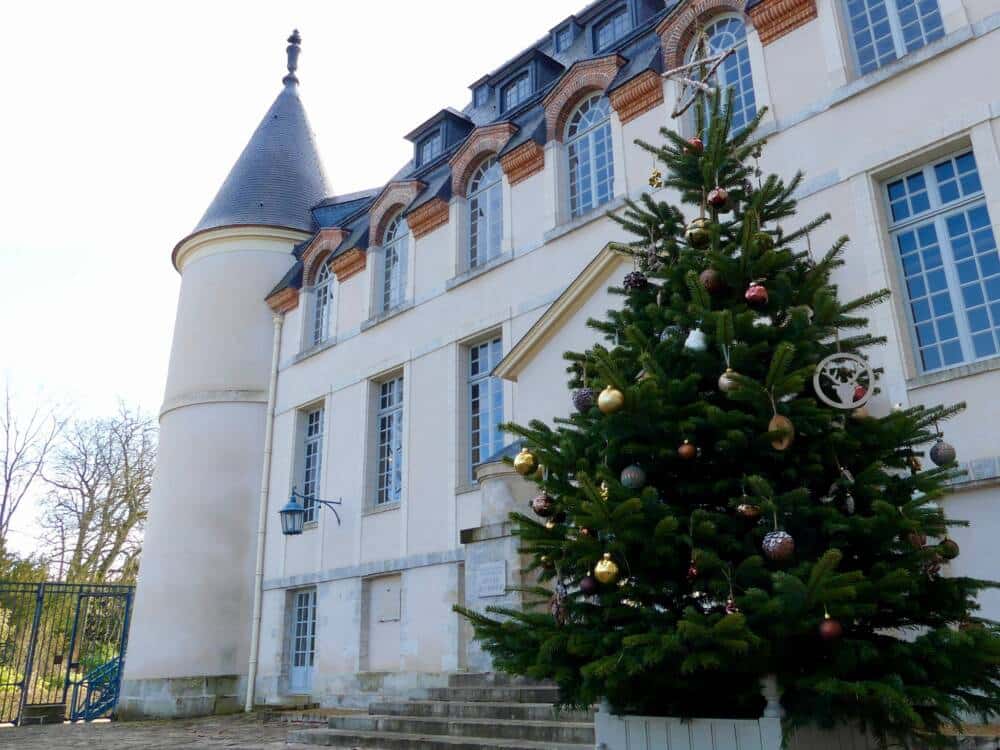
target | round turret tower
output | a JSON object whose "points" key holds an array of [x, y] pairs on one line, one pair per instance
{"points": [[189, 641]]}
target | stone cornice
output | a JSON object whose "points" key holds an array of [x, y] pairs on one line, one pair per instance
{"points": [[394, 195], [284, 301], [481, 143], [582, 78], [638, 96], [523, 161], [775, 18], [349, 264], [234, 238], [428, 217]]}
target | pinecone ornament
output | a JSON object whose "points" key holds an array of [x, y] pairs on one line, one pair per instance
{"points": [[583, 399]]}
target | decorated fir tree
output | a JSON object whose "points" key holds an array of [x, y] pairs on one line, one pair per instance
{"points": [[721, 507]]}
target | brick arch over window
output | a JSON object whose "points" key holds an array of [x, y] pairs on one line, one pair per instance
{"points": [[483, 142], [676, 31], [394, 197], [581, 79], [318, 251]]}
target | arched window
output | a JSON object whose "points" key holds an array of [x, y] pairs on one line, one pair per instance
{"points": [[322, 302], [591, 163], [485, 213], [721, 34], [394, 252]]}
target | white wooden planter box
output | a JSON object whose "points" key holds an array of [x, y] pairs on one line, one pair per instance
{"points": [[669, 733]]}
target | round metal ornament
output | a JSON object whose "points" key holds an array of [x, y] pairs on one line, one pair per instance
{"points": [[633, 477], [837, 380]]}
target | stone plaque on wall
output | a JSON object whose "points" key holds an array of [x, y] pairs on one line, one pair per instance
{"points": [[492, 579]]}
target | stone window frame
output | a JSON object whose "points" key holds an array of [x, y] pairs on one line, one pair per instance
{"points": [[374, 384], [300, 415]]}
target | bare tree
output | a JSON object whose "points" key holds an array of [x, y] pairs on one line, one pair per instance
{"points": [[99, 480], [26, 442]]}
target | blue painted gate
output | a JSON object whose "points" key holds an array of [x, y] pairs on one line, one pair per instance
{"points": [[62, 650]]}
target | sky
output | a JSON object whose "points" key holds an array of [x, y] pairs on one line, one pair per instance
{"points": [[120, 121]]}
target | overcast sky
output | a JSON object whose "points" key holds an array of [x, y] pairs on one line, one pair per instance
{"points": [[120, 120]]}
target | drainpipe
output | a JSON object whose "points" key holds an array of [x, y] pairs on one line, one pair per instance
{"points": [[265, 482]]}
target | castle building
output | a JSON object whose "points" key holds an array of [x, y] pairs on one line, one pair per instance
{"points": [[365, 347]]}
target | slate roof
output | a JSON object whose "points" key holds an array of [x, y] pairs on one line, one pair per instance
{"points": [[278, 178]]}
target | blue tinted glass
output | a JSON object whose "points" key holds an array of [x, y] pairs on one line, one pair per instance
{"points": [[983, 344], [907, 242], [993, 288], [896, 190], [916, 182], [952, 353], [971, 184], [989, 264], [941, 303], [979, 320], [900, 210], [911, 264], [947, 328], [920, 202], [936, 281], [932, 360], [966, 162], [932, 257], [921, 310], [961, 247], [927, 235], [995, 312], [967, 271], [984, 241], [972, 294], [949, 192], [925, 334], [979, 217], [956, 225], [916, 287], [944, 170]]}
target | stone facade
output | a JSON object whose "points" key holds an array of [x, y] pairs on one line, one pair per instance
{"points": [[386, 577]]}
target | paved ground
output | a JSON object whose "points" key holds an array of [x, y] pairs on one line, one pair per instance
{"points": [[238, 732]]}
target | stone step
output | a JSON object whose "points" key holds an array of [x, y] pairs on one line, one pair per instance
{"points": [[357, 740], [507, 694], [492, 679], [480, 710], [565, 732]]}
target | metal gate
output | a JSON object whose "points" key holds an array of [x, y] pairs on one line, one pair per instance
{"points": [[62, 650]]}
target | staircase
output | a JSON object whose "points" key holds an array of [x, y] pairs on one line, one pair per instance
{"points": [[475, 712]]}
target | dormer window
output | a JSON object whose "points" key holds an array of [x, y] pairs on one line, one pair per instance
{"points": [[431, 147], [564, 38], [612, 28], [517, 91]]}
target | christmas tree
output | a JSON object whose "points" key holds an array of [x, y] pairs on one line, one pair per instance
{"points": [[722, 507]]}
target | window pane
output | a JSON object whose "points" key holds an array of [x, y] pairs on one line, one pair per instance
{"points": [[485, 403], [612, 29], [389, 442]]}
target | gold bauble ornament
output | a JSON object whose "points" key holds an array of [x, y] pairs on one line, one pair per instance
{"points": [[606, 570], [550, 524], [861, 413], [783, 424], [525, 462], [610, 400], [604, 491], [697, 234]]}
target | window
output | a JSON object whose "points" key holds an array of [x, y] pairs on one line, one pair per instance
{"points": [[485, 213], [431, 146], [884, 30], [591, 165], [312, 459], [944, 242], [389, 442], [612, 28], [564, 39], [734, 73], [303, 639], [394, 255], [517, 91], [485, 403], [322, 303], [481, 95]]}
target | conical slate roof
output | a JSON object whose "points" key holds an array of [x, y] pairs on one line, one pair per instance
{"points": [[278, 177]]}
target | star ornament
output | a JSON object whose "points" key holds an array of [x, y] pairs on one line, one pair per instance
{"points": [[691, 88]]}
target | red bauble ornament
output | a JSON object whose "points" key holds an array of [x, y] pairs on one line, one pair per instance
{"points": [[778, 545], [589, 585], [542, 505], [718, 199], [948, 549], [756, 294], [584, 531], [712, 281], [830, 629], [687, 451], [696, 145], [859, 393], [749, 510], [692, 571], [731, 608]]}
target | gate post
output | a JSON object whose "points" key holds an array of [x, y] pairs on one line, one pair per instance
{"points": [[29, 662]]}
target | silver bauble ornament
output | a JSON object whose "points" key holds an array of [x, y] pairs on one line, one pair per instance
{"points": [[633, 477], [727, 382], [696, 341], [942, 453]]}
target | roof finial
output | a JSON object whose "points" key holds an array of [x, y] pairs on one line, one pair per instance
{"points": [[293, 49]]}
